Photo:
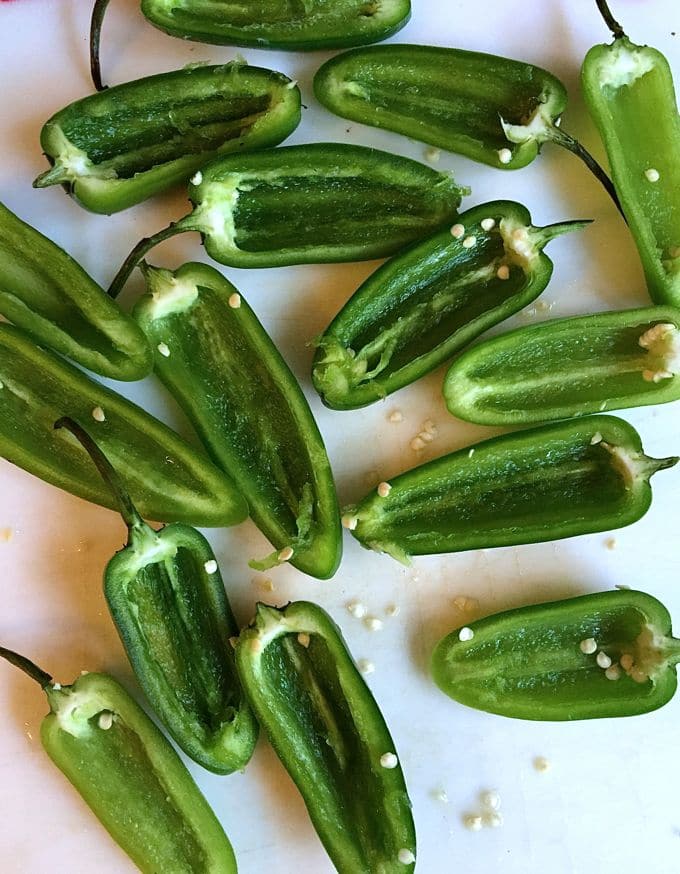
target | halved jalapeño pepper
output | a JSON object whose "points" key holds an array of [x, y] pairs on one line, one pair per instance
{"points": [[129, 775], [221, 366], [629, 92], [421, 307], [603, 655], [49, 296], [569, 367], [326, 728], [167, 478], [169, 606], [317, 203], [575, 477], [117, 148]]}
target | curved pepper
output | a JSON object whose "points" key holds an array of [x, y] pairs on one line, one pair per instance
{"points": [[317, 203], [425, 304], [115, 149], [603, 655], [129, 775], [575, 477], [569, 367], [326, 728], [49, 295], [629, 92], [167, 478], [221, 366], [169, 606]]}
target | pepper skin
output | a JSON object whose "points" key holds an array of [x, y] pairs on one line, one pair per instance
{"points": [[167, 478], [115, 149], [129, 775], [316, 203], [575, 477], [169, 606], [49, 296], [326, 728], [629, 92], [425, 304], [569, 367], [221, 366], [529, 663]]}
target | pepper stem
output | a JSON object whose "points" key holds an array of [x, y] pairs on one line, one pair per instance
{"points": [[140, 250], [27, 666], [657, 464], [609, 19], [549, 232], [96, 22], [568, 142]]}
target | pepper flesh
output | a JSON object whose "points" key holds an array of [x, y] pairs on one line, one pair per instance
{"points": [[49, 296], [247, 407], [629, 92], [569, 367], [167, 478], [424, 305], [117, 148], [326, 728], [129, 775], [528, 663], [574, 477]]}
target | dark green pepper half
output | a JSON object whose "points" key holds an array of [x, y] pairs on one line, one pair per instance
{"points": [[167, 478], [326, 728], [629, 92], [575, 477], [129, 775], [169, 606], [317, 203], [425, 304], [222, 367], [569, 367], [49, 295], [603, 655], [115, 149]]}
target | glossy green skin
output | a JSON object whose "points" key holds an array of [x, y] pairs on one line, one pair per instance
{"points": [[279, 24], [542, 484], [248, 409], [133, 780], [640, 127], [421, 307], [527, 663], [166, 478], [447, 97], [49, 296], [326, 728], [562, 368], [317, 203], [146, 136]]}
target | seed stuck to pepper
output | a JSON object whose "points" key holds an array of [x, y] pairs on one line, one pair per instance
{"points": [[389, 761]]}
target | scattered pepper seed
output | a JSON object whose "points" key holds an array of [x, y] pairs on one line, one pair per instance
{"points": [[286, 553], [235, 301], [626, 661], [384, 489], [503, 272], [440, 795], [465, 634], [392, 610], [491, 799], [98, 414], [652, 175], [350, 522], [366, 666], [197, 178], [417, 444], [433, 155], [373, 623], [504, 156], [613, 673], [493, 820], [105, 720], [469, 242], [541, 764], [164, 349], [596, 438], [389, 761], [303, 639], [396, 416], [458, 231], [588, 646], [488, 224], [611, 543], [406, 857], [210, 567], [603, 660], [357, 609], [472, 822]]}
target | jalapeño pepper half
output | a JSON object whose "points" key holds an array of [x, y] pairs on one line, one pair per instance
{"points": [[417, 310], [603, 655], [117, 148], [129, 775], [326, 728], [221, 366], [575, 477]]}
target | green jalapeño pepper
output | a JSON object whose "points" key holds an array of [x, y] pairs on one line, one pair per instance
{"points": [[317, 203], [425, 304], [115, 149], [168, 602], [569, 367], [603, 655], [129, 775], [326, 728], [222, 367], [629, 92], [488, 108], [167, 478], [575, 477], [48, 295]]}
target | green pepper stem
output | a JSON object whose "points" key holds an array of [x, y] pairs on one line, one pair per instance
{"points": [[657, 464], [549, 232], [27, 666], [140, 250], [98, 12], [609, 19], [568, 142]]}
